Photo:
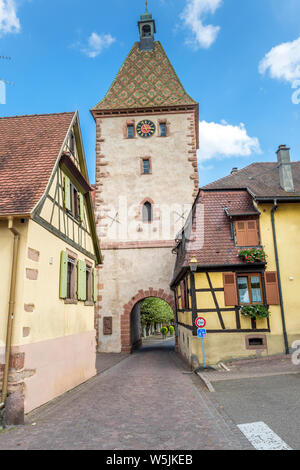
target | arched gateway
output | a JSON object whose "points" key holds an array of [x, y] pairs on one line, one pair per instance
{"points": [[126, 323], [146, 150]]}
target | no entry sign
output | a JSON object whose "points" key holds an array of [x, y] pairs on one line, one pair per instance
{"points": [[200, 322]]}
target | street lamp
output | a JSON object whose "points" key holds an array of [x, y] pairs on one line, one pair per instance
{"points": [[193, 265]]}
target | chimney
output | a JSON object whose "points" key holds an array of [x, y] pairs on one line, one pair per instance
{"points": [[234, 170], [285, 169]]}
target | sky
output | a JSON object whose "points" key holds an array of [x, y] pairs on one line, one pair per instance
{"points": [[239, 59]]}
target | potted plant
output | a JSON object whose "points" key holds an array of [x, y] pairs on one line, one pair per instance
{"points": [[253, 255]]}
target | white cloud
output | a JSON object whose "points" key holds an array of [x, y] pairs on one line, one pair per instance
{"points": [[283, 62], [224, 141], [9, 22], [96, 44], [193, 15]]}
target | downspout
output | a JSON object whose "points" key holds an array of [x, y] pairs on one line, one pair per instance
{"points": [[11, 308], [286, 343]]}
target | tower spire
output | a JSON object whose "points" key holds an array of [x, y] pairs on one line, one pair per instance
{"points": [[147, 30]]}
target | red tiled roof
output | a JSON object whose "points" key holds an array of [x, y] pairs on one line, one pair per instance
{"points": [[29, 148], [210, 240], [262, 179]]}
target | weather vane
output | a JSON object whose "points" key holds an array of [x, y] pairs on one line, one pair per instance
{"points": [[146, 5]]}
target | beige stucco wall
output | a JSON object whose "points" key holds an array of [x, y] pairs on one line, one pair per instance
{"points": [[125, 272]]}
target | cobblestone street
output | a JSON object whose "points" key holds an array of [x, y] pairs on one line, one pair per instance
{"points": [[149, 400]]}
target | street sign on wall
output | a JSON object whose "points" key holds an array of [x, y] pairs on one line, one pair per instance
{"points": [[200, 322], [202, 333]]}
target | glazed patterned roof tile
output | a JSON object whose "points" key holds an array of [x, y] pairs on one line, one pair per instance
{"points": [[146, 79]]}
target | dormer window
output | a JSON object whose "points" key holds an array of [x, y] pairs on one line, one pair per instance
{"points": [[246, 233]]}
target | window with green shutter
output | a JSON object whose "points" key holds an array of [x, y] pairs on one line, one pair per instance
{"points": [[81, 286], [63, 288]]}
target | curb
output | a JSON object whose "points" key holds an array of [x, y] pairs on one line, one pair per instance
{"points": [[206, 382]]}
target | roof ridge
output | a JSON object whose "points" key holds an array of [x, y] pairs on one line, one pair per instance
{"points": [[228, 176], [38, 115]]}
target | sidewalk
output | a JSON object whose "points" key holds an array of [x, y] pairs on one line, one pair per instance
{"points": [[244, 369]]}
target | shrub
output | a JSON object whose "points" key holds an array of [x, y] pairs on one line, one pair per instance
{"points": [[164, 331], [171, 330]]}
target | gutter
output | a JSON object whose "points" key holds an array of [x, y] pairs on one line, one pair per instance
{"points": [[273, 210], [10, 317]]}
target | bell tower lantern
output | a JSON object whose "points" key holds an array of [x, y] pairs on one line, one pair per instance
{"points": [[147, 30]]}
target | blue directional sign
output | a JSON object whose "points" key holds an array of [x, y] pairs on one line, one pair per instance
{"points": [[202, 333]]}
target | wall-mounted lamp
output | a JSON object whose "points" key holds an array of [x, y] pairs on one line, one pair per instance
{"points": [[193, 265]]}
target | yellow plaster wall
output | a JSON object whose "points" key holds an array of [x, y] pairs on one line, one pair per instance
{"points": [[51, 318], [6, 252], [287, 221]]}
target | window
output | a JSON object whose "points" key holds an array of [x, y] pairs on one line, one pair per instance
{"points": [[71, 279], [72, 143], [250, 289], [89, 284], [147, 212], [163, 129], [130, 131], [146, 31], [74, 201], [246, 232], [146, 166]]}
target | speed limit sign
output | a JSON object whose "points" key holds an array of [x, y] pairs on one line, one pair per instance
{"points": [[200, 322]]}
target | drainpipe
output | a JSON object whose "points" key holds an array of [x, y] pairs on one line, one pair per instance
{"points": [[286, 343], [10, 317]]}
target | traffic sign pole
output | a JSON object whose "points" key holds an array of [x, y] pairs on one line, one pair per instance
{"points": [[203, 353]]}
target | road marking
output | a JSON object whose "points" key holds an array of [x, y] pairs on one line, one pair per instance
{"points": [[262, 437]]}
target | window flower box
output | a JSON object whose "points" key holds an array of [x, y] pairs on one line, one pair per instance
{"points": [[253, 255], [255, 312]]}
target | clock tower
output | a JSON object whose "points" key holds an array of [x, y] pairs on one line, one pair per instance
{"points": [[146, 182]]}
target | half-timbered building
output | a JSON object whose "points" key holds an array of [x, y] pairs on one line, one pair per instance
{"points": [[237, 264], [48, 253]]}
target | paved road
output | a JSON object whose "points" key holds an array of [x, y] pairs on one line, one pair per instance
{"points": [[147, 401], [273, 400]]}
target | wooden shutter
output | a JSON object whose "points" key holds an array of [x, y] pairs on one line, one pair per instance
{"points": [[230, 289], [241, 233], [182, 294], [272, 289], [81, 280], [81, 207], [67, 196], [95, 285], [63, 285], [252, 233]]}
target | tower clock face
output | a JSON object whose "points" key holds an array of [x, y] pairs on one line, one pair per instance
{"points": [[145, 128]]}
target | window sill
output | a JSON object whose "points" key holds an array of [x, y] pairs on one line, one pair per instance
{"points": [[89, 303], [71, 302]]}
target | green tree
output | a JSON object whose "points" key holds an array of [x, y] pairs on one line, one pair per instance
{"points": [[153, 311]]}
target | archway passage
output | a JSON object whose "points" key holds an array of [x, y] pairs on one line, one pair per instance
{"points": [[131, 339]]}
